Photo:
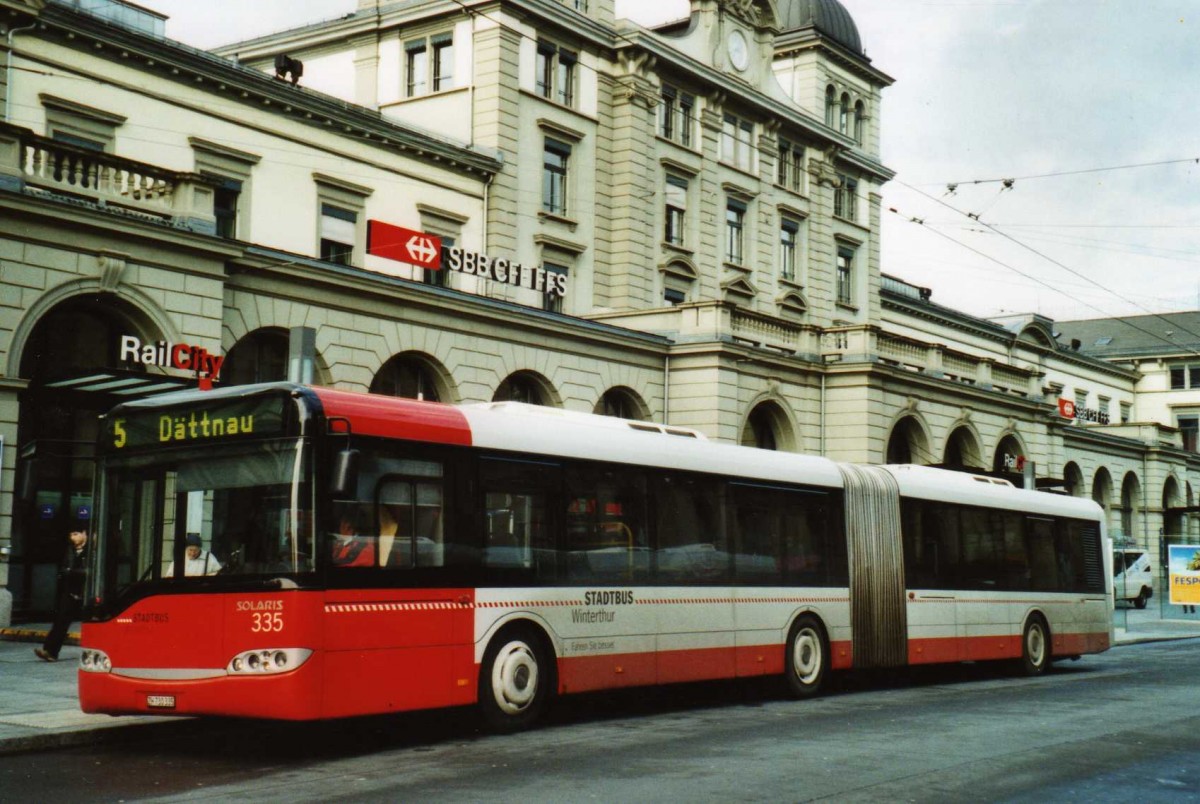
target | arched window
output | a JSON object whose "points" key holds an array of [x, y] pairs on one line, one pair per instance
{"points": [[860, 117], [260, 356], [621, 403], [962, 450], [759, 430], [523, 386], [907, 443], [1131, 503], [830, 106], [408, 376], [768, 427], [844, 114]]}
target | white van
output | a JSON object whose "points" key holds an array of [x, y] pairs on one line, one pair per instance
{"points": [[1133, 577]]}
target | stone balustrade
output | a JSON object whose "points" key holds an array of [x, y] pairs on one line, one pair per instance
{"points": [[40, 165]]}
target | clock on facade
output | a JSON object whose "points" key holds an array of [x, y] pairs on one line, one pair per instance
{"points": [[739, 52]]}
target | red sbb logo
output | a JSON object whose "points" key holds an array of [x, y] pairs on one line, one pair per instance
{"points": [[404, 245], [1066, 408]]}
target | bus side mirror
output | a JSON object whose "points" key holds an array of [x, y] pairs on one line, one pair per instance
{"points": [[344, 482]]}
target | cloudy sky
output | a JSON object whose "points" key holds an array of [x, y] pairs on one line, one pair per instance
{"points": [[1087, 105]]}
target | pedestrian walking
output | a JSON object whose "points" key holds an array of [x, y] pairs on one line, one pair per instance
{"points": [[71, 578]]}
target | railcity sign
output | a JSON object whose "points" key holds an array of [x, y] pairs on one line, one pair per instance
{"points": [[183, 356]]}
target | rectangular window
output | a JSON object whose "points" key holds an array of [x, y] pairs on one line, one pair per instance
{"points": [[411, 518], [735, 219], [1126, 412], [672, 296], [930, 533], [1178, 378], [1193, 376], [606, 525], [789, 235], [845, 199], [565, 78], [789, 172], [675, 121], [784, 536], [667, 108], [552, 302], [555, 73], [225, 207], [517, 530], [686, 120], [440, 277], [338, 234], [556, 156], [845, 275], [689, 523], [79, 142], [737, 138], [1189, 429], [676, 206], [443, 62], [417, 67]]}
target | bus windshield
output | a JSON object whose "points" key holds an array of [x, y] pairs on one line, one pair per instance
{"points": [[227, 511]]}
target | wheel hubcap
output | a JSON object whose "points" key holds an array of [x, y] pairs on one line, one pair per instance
{"points": [[1036, 643], [514, 677], [806, 656]]}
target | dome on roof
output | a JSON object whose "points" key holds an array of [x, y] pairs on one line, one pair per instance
{"points": [[828, 17]]}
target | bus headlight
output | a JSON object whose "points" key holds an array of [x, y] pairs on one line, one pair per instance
{"points": [[267, 661], [94, 661]]}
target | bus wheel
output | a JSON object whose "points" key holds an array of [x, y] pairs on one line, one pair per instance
{"points": [[514, 680], [1035, 647], [1140, 600], [807, 659]]}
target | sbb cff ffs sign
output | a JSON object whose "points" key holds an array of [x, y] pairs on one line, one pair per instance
{"points": [[404, 245]]}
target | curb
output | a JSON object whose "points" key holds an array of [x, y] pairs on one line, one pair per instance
{"points": [[18, 634], [116, 733]]}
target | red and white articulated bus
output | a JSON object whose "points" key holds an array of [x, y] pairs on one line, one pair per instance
{"points": [[289, 552]]}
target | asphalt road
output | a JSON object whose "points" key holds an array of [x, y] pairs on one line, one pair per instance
{"points": [[1122, 726]]}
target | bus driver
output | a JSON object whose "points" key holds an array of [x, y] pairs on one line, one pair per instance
{"points": [[196, 560]]}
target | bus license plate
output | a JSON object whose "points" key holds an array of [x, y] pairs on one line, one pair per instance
{"points": [[160, 701]]}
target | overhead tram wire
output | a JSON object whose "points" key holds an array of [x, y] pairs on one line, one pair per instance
{"points": [[1047, 285], [994, 229], [1061, 265], [1009, 180]]}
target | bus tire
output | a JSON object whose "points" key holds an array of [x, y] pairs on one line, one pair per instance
{"points": [[806, 661], [1140, 601], [1035, 647], [515, 679]]}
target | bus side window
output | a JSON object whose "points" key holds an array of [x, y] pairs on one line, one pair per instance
{"points": [[690, 529], [517, 533], [409, 512], [1043, 563], [606, 525], [757, 521]]}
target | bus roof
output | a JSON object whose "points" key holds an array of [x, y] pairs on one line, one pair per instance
{"points": [[926, 482]]}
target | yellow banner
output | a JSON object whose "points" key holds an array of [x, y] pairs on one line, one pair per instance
{"points": [[1183, 563]]}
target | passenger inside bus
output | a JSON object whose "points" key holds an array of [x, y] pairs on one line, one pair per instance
{"points": [[349, 546]]}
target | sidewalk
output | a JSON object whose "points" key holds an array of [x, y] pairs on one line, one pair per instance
{"points": [[39, 708]]}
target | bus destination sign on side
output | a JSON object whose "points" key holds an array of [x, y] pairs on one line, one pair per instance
{"points": [[202, 424]]}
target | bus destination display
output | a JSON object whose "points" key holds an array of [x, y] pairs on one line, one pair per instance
{"points": [[239, 418]]}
